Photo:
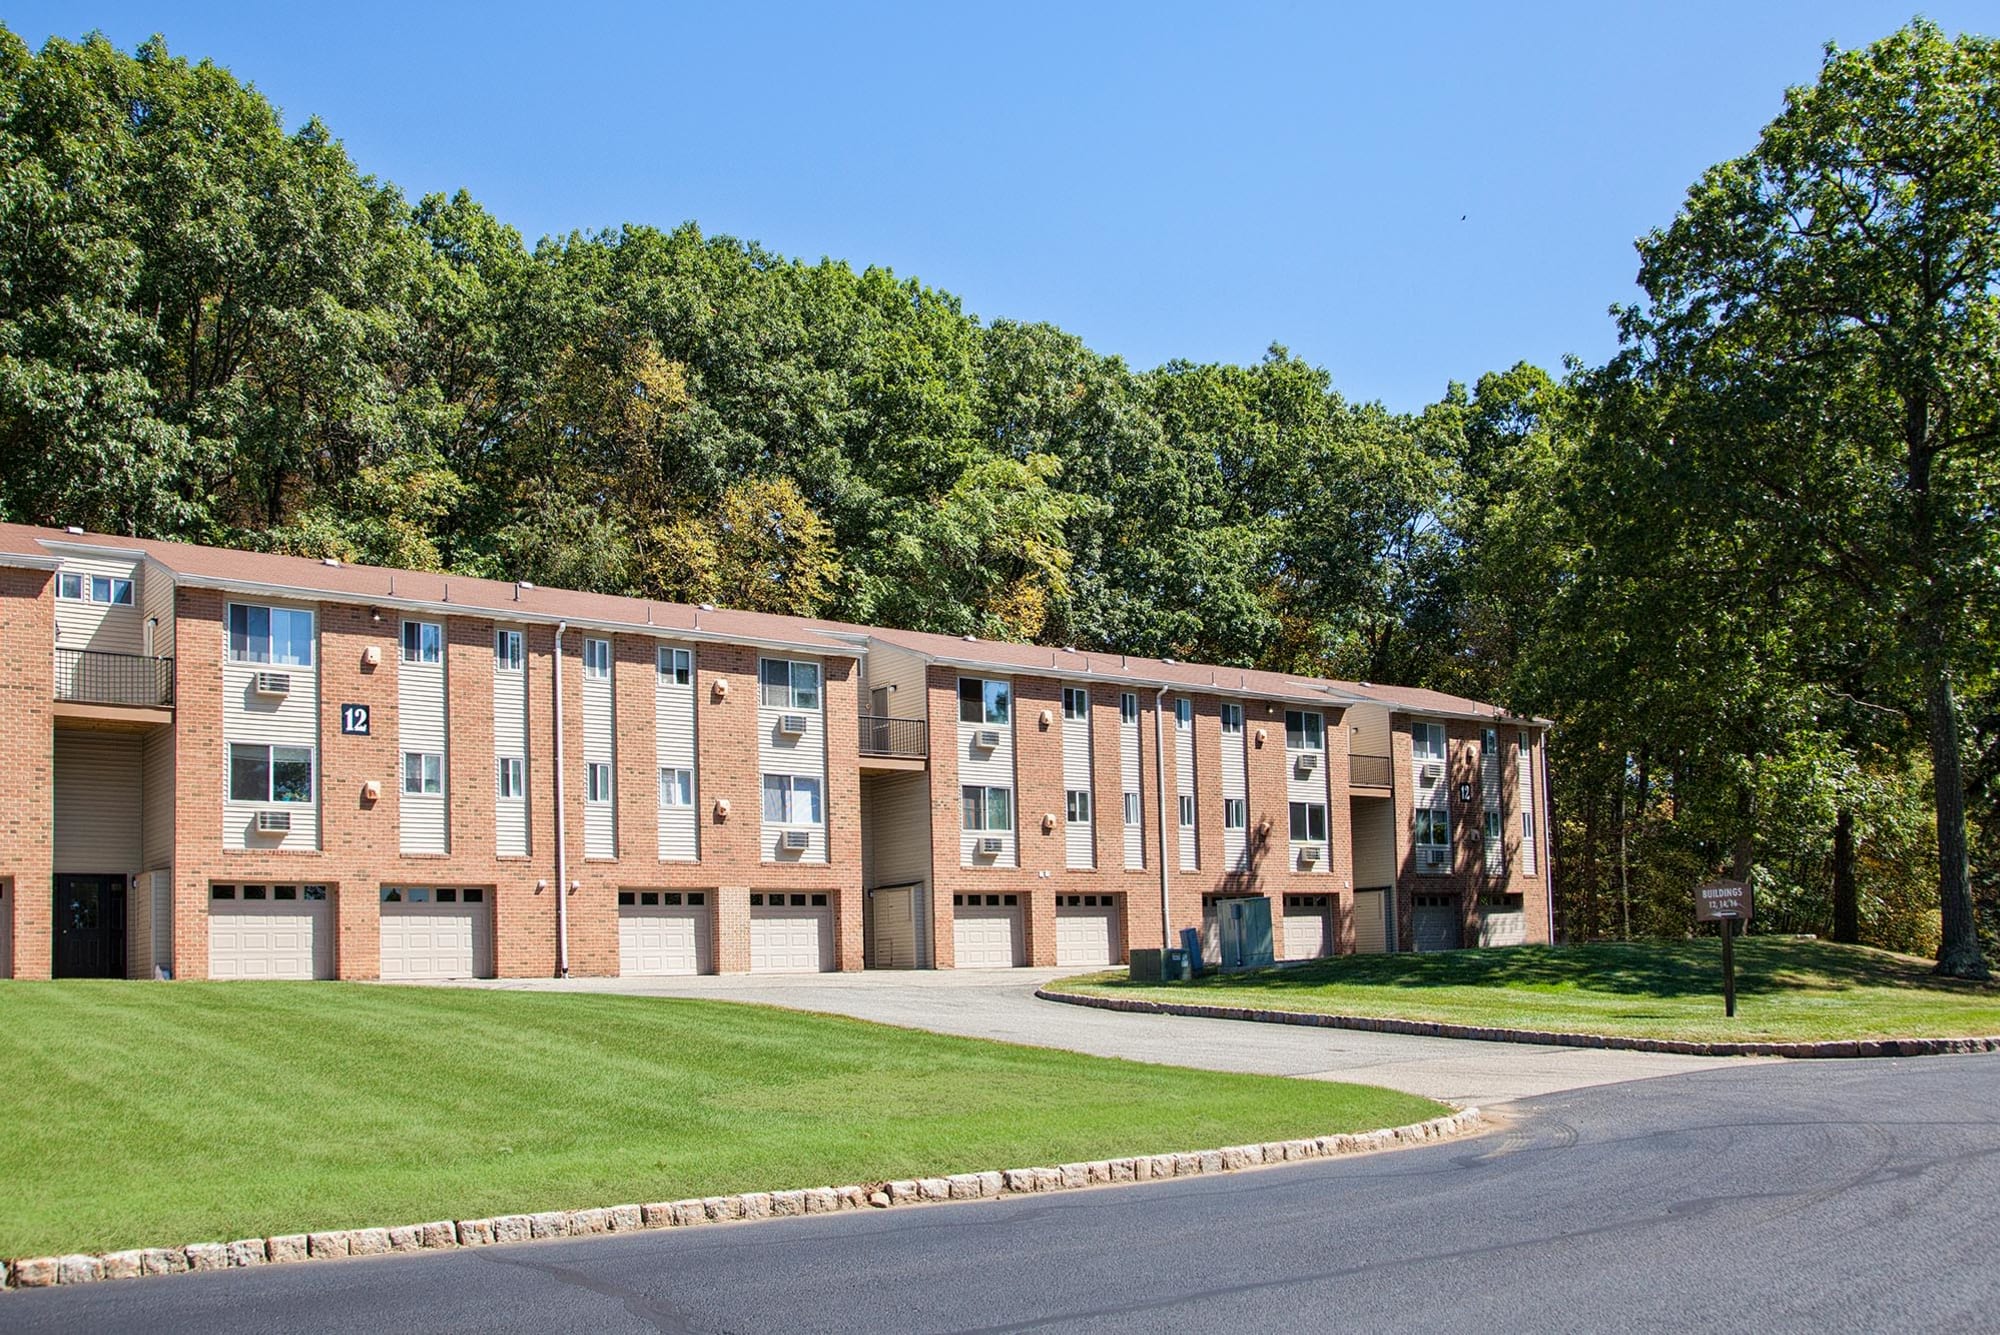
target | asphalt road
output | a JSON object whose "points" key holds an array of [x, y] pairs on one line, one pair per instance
{"points": [[1808, 1196]]}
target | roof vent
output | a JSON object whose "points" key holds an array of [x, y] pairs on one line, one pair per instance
{"points": [[970, 639], [332, 561], [1069, 648], [524, 584], [1175, 661], [707, 607], [72, 528]]}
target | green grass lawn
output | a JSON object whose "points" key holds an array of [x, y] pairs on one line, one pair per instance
{"points": [[140, 1114], [1786, 989]]}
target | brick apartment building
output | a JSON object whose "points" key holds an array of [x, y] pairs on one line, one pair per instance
{"points": [[224, 764]]}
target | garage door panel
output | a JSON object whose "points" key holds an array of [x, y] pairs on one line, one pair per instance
{"points": [[1435, 923], [1308, 928], [1087, 932], [662, 934], [987, 932], [1371, 922], [423, 939], [791, 937], [269, 938]]}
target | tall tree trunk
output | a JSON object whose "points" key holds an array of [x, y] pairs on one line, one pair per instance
{"points": [[1846, 898], [1746, 834], [1959, 955]]}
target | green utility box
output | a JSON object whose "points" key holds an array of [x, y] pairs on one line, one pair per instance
{"points": [[1159, 966]]}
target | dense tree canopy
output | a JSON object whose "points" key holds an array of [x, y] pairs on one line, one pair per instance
{"points": [[1749, 567]]}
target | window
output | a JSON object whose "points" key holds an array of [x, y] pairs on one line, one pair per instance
{"points": [[791, 799], [1308, 823], [507, 650], [988, 809], [1128, 707], [1427, 740], [785, 684], [597, 781], [1489, 743], [270, 635], [1527, 827], [260, 773], [423, 642], [423, 772], [676, 665], [1304, 731], [676, 787], [1076, 806], [982, 701], [1433, 827], [1232, 718], [1235, 813], [597, 659], [222, 892], [317, 893], [513, 776], [1187, 811], [253, 892], [95, 589], [1132, 808], [1492, 827], [1076, 702], [1183, 713]]}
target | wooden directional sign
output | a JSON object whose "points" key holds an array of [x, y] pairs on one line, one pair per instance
{"points": [[1722, 901]]}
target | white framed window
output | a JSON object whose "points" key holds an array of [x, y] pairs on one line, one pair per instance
{"points": [[1527, 826], [785, 683], [1076, 806], [1128, 707], [507, 651], [423, 772], [1492, 827], [279, 635], [597, 659], [674, 665], [1308, 822], [1433, 827], [423, 642], [513, 771], [1305, 730], [791, 799], [1489, 743], [597, 781], [1235, 813], [1187, 811], [1183, 713], [1523, 747], [982, 701], [1133, 808], [987, 809], [94, 589], [676, 787], [1076, 702], [1232, 718], [1427, 741], [260, 773]]}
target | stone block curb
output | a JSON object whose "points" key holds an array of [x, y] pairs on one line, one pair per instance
{"points": [[1863, 1047], [293, 1248]]}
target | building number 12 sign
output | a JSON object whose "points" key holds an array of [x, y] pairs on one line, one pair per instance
{"points": [[354, 720]]}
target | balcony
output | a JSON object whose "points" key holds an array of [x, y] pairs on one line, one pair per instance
{"points": [[115, 691], [894, 743], [1369, 772]]}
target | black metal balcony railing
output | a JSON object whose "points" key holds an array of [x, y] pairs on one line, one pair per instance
{"points": [[898, 738], [1369, 771], [88, 677]]}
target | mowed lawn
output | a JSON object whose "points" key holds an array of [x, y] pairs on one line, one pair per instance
{"points": [[143, 1114], [1786, 989]]}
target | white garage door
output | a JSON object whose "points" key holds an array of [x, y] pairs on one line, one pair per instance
{"points": [[269, 931], [1308, 927], [986, 932], [1086, 930], [790, 933], [435, 933], [1502, 926], [662, 932], [1371, 922]]}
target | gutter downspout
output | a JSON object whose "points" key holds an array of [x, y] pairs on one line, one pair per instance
{"points": [[562, 852], [1160, 810], [1548, 838]]}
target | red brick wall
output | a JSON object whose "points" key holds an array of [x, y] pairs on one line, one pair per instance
{"points": [[27, 780]]}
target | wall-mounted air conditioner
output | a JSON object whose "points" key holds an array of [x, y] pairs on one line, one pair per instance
{"points": [[1308, 855], [990, 846], [1433, 770], [1308, 761], [274, 822], [797, 841], [273, 683], [986, 740], [792, 725], [1436, 857]]}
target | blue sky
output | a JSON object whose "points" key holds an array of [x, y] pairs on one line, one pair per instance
{"points": [[1404, 194]]}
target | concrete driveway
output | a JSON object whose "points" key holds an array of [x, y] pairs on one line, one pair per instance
{"points": [[1000, 1004]]}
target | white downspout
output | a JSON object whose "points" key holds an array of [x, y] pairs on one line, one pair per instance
{"points": [[1547, 834], [1160, 811], [562, 854]]}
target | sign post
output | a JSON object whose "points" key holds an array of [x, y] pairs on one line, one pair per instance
{"points": [[1724, 903]]}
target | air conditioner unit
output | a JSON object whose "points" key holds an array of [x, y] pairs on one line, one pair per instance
{"points": [[1309, 854], [986, 740], [1433, 770], [273, 822], [1436, 857], [273, 683], [1308, 761], [990, 846], [797, 841], [792, 725]]}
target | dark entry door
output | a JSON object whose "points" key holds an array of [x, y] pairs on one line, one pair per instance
{"points": [[90, 927]]}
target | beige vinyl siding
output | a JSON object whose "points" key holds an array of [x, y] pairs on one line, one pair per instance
{"points": [[161, 892], [1489, 802], [1524, 799], [157, 821], [600, 747], [1079, 836], [291, 719], [97, 799], [1371, 920], [156, 600], [1129, 782], [1309, 786], [1183, 734], [510, 741], [992, 769], [898, 669], [1234, 783], [800, 756], [897, 837], [1368, 728], [893, 939], [674, 739], [103, 628], [421, 711], [1374, 829]]}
